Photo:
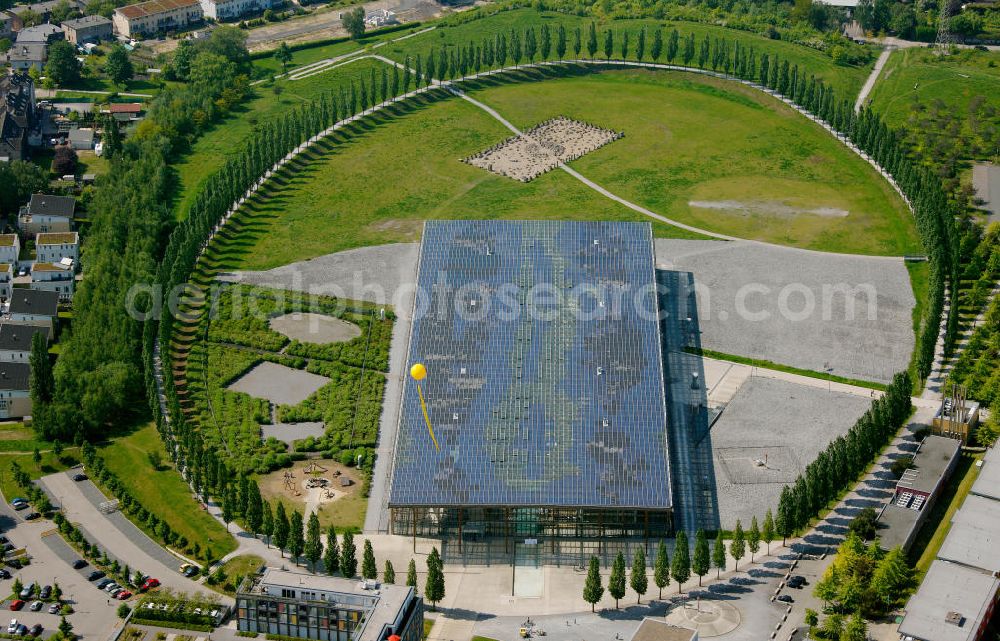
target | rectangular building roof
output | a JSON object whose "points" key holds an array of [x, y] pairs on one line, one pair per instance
{"points": [[544, 376], [930, 464], [125, 108], [86, 21], [975, 530], [17, 338], [7, 240], [46, 205], [988, 482], [382, 606], [153, 7], [14, 376], [56, 238], [949, 588], [895, 524], [34, 302]]}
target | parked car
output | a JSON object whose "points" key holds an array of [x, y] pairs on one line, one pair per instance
{"points": [[111, 586], [12, 627], [54, 608], [16, 604], [46, 592], [95, 575], [31, 516], [786, 598], [14, 563], [26, 592], [21, 630], [7, 547], [18, 500], [35, 606], [35, 630], [19, 506], [191, 571], [79, 477], [79, 563], [4, 574], [124, 594], [150, 584], [103, 583], [4, 539]]}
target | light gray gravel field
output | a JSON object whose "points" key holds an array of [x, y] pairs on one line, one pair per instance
{"points": [[786, 424], [794, 307], [279, 384]]}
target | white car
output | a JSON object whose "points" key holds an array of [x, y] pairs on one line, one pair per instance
{"points": [[197, 610], [12, 628]]}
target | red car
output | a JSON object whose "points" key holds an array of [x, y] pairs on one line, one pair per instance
{"points": [[16, 604], [151, 583], [124, 594]]}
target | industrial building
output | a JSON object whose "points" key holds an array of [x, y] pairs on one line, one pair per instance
{"points": [[544, 390], [309, 606]]}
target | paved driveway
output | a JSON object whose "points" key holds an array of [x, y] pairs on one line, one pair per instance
{"points": [[129, 546]]}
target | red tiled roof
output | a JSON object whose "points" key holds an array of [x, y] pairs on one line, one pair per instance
{"points": [[126, 108], [152, 7]]}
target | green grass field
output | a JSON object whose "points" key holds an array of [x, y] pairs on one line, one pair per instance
{"points": [[368, 188], [922, 73], [846, 80], [163, 491], [212, 149]]}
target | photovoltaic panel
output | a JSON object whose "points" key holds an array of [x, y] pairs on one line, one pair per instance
{"points": [[544, 374]]}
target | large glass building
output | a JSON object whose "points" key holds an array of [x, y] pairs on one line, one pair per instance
{"points": [[544, 393]]}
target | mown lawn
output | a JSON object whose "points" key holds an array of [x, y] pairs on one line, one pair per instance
{"points": [[846, 80], [270, 101], [923, 74], [686, 139], [163, 491], [48, 465]]}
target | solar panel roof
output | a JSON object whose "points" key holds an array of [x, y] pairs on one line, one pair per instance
{"points": [[544, 378]]}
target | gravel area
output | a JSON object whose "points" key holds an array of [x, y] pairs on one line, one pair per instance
{"points": [[986, 181], [291, 432], [783, 423], [279, 384], [315, 328], [792, 306]]}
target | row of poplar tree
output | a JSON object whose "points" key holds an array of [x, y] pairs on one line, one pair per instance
{"points": [[277, 138]]}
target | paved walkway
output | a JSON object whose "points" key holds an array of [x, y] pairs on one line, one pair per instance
{"points": [[873, 77]]}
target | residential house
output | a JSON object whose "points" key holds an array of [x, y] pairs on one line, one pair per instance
{"points": [[9, 25], [155, 16], [43, 9], [233, 9], [6, 281], [53, 247], [15, 342], [25, 56], [10, 248], [45, 213], [88, 29], [15, 394], [34, 307], [40, 34], [54, 277], [17, 115], [81, 139], [125, 112]]}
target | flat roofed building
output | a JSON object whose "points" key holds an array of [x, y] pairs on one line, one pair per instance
{"points": [[88, 29], [45, 213], [52, 247], [310, 606], [155, 16], [917, 491], [975, 530], [15, 397], [546, 395], [954, 603], [988, 482], [233, 9], [10, 248], [15, 342], [659, 630], [54, 277]]}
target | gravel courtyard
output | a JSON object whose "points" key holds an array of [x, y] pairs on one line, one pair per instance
{"points": [[314, 328], [279, 384], [786, 424], [793, 307]]}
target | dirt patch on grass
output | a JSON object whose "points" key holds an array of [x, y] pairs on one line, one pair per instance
{"points": [[767, 208], [315, 328], [400, 229]]}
